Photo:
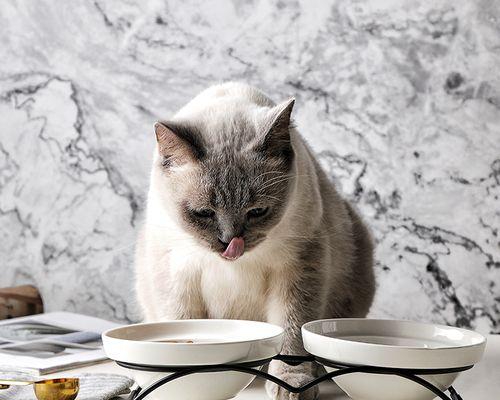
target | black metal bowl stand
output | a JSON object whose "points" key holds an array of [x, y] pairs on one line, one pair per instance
{"points": [[249, 368]]}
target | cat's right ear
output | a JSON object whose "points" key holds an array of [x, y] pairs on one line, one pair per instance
{"points": [[177, 144], [277, 140]]}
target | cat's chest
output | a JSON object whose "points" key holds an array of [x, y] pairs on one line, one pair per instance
{"points": [[236, 291]]}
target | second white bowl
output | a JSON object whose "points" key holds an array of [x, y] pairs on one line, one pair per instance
{"points": [[393, 344]]}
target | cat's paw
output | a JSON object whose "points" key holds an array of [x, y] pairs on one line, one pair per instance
{"points": [[296, 379]]}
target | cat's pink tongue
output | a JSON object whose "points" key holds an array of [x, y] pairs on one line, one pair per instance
{"points": [[234, 249]]}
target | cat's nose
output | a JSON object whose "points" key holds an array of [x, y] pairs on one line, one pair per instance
{"points": [[225, 238], [223, 242]]}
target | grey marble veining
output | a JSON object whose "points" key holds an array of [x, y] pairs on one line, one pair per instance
{"points": [[401, 100]]}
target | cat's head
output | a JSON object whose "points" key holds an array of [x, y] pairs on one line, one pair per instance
{"points": [[227, 179]]}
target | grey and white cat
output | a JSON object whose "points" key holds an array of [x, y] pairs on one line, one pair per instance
{"points": [[243, 223]]}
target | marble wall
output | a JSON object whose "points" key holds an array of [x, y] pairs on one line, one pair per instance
{"points": [[401, 99]]}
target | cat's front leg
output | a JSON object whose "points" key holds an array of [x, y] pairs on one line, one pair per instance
{"points": [[178, 295], [293, 375], [296, 297]]}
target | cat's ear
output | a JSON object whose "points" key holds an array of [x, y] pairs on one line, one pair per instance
{"points": [[177, 144], [277, 130]]}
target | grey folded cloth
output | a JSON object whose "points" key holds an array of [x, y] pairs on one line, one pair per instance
{"points": [[92, 386]]}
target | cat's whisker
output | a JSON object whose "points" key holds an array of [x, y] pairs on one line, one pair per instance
{"points": [[273, 184], [280, 176], [278, 179], [270, 197], [266, 173]]}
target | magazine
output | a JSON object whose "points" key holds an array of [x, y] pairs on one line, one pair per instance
{"points": [[46, 343]]}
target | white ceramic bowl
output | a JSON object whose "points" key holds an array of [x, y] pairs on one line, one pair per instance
{"points": [[396, 344], [215, 342]]}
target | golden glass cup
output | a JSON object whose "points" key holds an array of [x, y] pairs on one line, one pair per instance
{"points": [[48, 389]]}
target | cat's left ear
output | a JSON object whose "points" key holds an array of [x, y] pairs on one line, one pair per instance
{"points": [[277, 137], [177, 143]]}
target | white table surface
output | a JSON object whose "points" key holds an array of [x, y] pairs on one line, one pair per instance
{"points": [[480, 383]]}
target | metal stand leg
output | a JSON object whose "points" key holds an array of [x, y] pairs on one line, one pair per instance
{"points": [[134, 393], [454, 394], [248, 368]]}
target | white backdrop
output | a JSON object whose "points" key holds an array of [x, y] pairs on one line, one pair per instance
{"points": [[400, 99]]}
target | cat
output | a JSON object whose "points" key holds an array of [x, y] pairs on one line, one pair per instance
{"points": [[243, 223]]}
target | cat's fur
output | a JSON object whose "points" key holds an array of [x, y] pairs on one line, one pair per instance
{"points": [[310, 257]]}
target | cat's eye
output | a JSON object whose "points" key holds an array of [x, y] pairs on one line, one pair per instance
{"points": [[204, 213], [257, 212]]}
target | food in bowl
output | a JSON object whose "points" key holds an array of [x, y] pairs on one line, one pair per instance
{"points": [[175, 341], [194, 342], [392, 344]]}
